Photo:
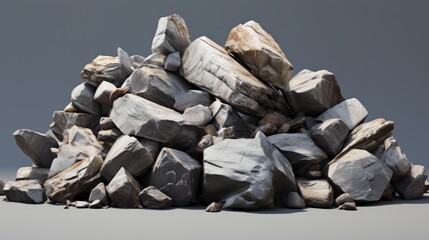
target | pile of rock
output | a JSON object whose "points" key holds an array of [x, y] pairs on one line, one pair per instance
{"points": [[229, 127]]}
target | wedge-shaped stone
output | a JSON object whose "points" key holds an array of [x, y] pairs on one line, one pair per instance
{"points": [[258, 50], [25, 191], [246, 173], [210, 67], [32, 173], [82, 98], [102, 94], [103, 68], [172, 62], [316, 193], [360, 174], [36, 146], [66, 120], [171, 35], [225, 116], [124, 190], [176, 174], [391, 154], [137, 116], [298, 148], [351, 111], [330, 135], [412, 186], [109, 135], [151, 197], [192, 98], [125, 62], [99, 193]]}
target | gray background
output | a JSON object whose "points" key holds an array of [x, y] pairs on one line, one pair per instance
{"points": [[377, 49]]}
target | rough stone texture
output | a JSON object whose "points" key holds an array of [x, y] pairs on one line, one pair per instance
{"points": [[36, 146], [198, 115], [298, 148], [313, 92], [351, 206], [151, 197], [192, 98], [294, 200], [129, 153], [137, 61], [330, 135], [102, 94], [391, 154], [123, 190], [171, 35], [106, 123], [351, 111], [267, 129], [177, 175], [412, 186], [25, 191], [110, 135], [125, 62], [360, 174], [172, 62], [275, 119], [32, 173], [225, 116], [82, 98], [75, 182], [258, 50], [210, 67], [140, 117], [316, 193], [66, 120], [99, 193], [155, 60], [246, 173], [343, 198], [103, 68], [119, 92], [214, 207]]}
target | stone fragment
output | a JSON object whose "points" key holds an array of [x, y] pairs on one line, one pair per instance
{"points": [[66, 120], [106, 123], [267, 129], [316, 193], [25, 191], [351, 206], [70, 108], [314, 174], [137, 61], [284, 128], [171, 35], [99, 193], [228, 132], [271, 118], [82, 204], [412, 186], [32, 173], [103, 68], [36, 146], [214, 207], [198, 115], [313, 92], [177, 175], [351, 111], [294, 200], [125, 62], [110, 135], [155, 60], [391, 154], [137, 116], [359, 174], [102, 94], [172, 62], [343, 198], [389, 193], [330, 135], [82, 98], [225, 116], [96, 204], [192, 98], [207, 141], [151, 197], [123, 190], [117, 93]]}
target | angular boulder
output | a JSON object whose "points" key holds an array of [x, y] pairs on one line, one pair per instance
{"points": [[66, 120], [316, 193], [125, 62], [351, 111], [82, 98], [25, 191], [412, 186], [173, 62], [123, 190], [171, 35], [225, 116], [32, 173], [99, 193], [102, 94], [330, 135], [192, 98], [198, 115], [151, 197], [103, 68], [391, 154]]}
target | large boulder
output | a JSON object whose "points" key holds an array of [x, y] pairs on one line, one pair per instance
{"points": [[171, 35], [316, 193], [313, 92], [137, 116], [246, 173], [177, 175], [211, 68], [391, 154], [330, 135], [82, 98], [412, 186], [124, 190], [103, 68], [258, 50], [25, 191], [66, 120], [351, 111], [151, 197], [32, 173]]}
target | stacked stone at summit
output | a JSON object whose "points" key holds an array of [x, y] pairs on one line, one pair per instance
{"points": [[25, 191], [171, 35], [412, 186], [123, 190], [351, 111], [103, 68], [258, 50], [330, 135]]}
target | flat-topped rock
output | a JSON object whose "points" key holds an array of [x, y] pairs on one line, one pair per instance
{"points": [[351, 111], [25, 191], [171, 35], [103, 68]]}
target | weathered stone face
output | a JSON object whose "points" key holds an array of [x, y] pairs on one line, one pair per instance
{"points": [[171, 35], [103, 68], [123, 190], [25, 191]]}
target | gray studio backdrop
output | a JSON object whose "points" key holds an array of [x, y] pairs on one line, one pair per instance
{"points": [[377, 49]]}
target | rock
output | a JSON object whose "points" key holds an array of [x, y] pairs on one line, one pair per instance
{"points": [[389, 193], [75, 182], [66, 120], [99, 193], [348, 206], [330, 135], [70, 108], [207, 141], [151, 197], [359, 174], [106, 123], [283, 128], [82, 98], [103, 68], [343, 198], [225, 133], [351, 111], [96, 204], [294, 200], [119, 92], [171, 35], [426, 186], [177, 175], [102, 94], [125, 62], [298, 148], [110, 135], [257, 49], [298, 122], [155, 60], [316, 193], [211, 68], [140, 117], [246, 173], [25, 191], [123, 190], [225, 116], [392, 155], [214, 207], [172, 62], [272, 118], [267, 129], [313, 92], [127, 152], [36, 146], [198, 115], [1, 188], [192, 98], [412, 186], [314, 174], [137, 61], [82, 204], [32, 173]]}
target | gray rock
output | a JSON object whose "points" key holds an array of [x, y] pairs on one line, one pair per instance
{"points": [[426, 186], [316, 193], [330, 135], [198, 115], [294, 200], [298, 148], [207, 141], [103, 68], [99, 193], [127, 152], [66, 120], [70, 108], [225, 116], [82, 98], [246, 173], [151, 197], [123, 190], [25, 191], [106, 123], [351, 111], [391, 154], [172, 62], [343, 198], [351, 206], [228, 132], [389, 193], [102, 94], [214, 207], [176, 174], [119, 92], [211, 68], [171, 35], [267, 129], [284, 128], [313, 92], [275, 119], [1, 188], [155, 60], [82, 204], [110, 135], [360, 174], [125, 62], [192, 98], [36, 146], [137, 61], [412, 186], [32, 173], [96, 204], [140, 117], [75, 181]]}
